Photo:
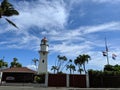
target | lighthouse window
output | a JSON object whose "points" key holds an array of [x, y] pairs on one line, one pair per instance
{"points": [[43, 61], [43, 53]]}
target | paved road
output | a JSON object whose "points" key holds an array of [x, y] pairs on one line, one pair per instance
{"points": [[50, 88]]}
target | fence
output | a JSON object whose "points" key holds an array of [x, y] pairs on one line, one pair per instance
{"points": [[57, 80], [50, 80], [64, 80], [77, 81]]}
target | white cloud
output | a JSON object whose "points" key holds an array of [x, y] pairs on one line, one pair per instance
{"points": [[33, 67], [65, 35], [69, 40], [97, 60], [77, 34], [103, 27], [43, 14], [48, 15], [106, 1], [70, 49]]}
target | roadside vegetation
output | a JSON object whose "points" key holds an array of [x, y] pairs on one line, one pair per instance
{"points": [[14, 63], [78, 64]]}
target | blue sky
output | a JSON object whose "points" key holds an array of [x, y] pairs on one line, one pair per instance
{"points": [[72, 27]]}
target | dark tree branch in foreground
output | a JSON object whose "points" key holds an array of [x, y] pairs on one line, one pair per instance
{"points": [[7, 10]]}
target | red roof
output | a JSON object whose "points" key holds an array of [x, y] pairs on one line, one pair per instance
{"points": [[18, 69]]}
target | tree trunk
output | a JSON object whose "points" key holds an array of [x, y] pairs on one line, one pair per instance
{"points": [[84, 68], [79, 69], [54, 71], [70, 70]]}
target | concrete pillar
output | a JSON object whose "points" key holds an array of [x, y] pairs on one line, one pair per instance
{"points": [[1, 73], [46, 79], [87, 80], [67, 80]]}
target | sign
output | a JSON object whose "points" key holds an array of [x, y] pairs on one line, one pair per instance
{"points": [[10, 78]]}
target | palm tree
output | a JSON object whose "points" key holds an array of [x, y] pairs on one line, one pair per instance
{"points": [[35, 62], [3, 64], [7, 10], [80, 70], [78, 62], [70, 61], [71, 68], [60, 63], [54, 68], [81, 60], [14, 63], [85, 58]]}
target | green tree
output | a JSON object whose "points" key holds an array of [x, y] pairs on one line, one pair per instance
{"points": [[71, 68], [78, 62], [80, 70], [54, 68], [117, 67], [67, 63], [7, 10], [85, 59], [3, 64], [112, 68], [60, 63], [108, 68], [15, 63], [81, 61]]}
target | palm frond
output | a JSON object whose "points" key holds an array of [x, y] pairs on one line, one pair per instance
{"points": [[10, 13], [8, 9], [10, 22]]}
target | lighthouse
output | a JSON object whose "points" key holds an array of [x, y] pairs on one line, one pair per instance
{"points": [[43, 62]]}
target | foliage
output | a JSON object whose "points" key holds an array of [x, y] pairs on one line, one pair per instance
{"points": [[61, 63], [54, 68], [112, 68], [7, 10], [108, 68], [3, 64], [70, 66], [80, 70], [39, 78], [97, 73], [60, 72], [81, 60], [104, 78], [14, 63]]}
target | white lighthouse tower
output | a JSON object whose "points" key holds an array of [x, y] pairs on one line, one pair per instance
{"points": [[42, 68]]}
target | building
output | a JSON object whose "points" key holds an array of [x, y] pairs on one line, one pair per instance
{"points": [[23, 74], [43, 62], [18, 74]]}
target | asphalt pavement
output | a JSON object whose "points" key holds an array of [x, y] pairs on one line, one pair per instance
{"points": [[50, 88]]}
